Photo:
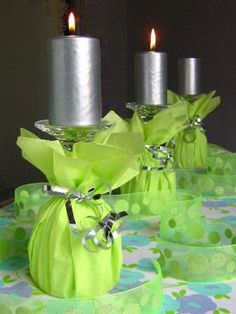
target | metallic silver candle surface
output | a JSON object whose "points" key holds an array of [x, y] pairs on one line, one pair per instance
{"points": [[151, 78], [189, 76], [75, 82]]}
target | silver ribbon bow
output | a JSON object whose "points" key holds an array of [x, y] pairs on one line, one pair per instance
{"points": [[196, 122], [163, 155], [106, 239], [105, 225]]}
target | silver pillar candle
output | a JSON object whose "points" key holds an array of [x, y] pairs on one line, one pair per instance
{"points": [[75, 82], [189, 76], [151, 78]]}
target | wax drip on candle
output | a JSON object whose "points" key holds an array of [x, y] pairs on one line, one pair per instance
{"points": [[71, 24]]}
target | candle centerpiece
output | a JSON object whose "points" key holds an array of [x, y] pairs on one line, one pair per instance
{"points": [[150, 81], [189, 78], [75, 105]]}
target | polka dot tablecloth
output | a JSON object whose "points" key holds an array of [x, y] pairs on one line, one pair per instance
{"points": [[139, 247]]}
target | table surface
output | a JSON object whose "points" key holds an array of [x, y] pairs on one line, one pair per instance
{"points": [[139, 247]]}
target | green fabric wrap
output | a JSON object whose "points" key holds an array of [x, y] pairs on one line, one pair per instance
{"points": [[59, 264], [158, 131], [219, 180], [191, 148]]}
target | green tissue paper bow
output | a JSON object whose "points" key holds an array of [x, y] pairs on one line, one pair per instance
{"points": [[154, 173], [59, 262], [191, 149]]}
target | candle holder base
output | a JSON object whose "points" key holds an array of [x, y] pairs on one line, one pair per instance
{"points": [[68, 135], [190, 98], [146, 112]]}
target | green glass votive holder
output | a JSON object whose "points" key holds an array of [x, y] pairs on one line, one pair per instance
{"points": [[29, 198]]}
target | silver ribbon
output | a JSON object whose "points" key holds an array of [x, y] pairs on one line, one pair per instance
{"points": [[105, 225], [163, 155], [196, 122], [108, 236]]}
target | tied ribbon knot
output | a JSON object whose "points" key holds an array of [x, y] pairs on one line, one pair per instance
{"points": [[163, 155], [105, 225], [196, 122]]}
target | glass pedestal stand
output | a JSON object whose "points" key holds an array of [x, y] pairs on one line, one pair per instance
{"points": [[190, 98], [146, 112], [68, 135]]}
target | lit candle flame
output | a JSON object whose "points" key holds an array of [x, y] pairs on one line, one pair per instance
{"points": [[71, 23], [153, 40]]}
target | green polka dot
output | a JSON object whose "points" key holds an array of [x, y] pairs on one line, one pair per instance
{"points": [[228, 168], [121, 205], [5, 309], [207, 183], [19, 233], [167, 253], [228, 233], [35, 197], [175, 268], [218, 260], [183, 182], [196, 231], [5, 248], [23, 310], [172, 223], [219, 190], [135, 209], [197, 264], [214, 237], [230, 267], [24, 196], [179, 236], [146, 200], [219, 162]]}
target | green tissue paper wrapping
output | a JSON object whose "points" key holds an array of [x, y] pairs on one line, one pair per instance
{"points": [[191, 148], [59, 263], [158, 131]]}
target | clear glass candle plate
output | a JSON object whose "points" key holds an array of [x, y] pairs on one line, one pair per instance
{"points": [[146, 111], [72, 133]]}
